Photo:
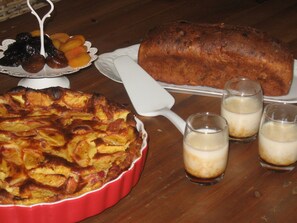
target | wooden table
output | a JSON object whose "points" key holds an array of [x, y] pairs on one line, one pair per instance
{"points": [[248, 193]]}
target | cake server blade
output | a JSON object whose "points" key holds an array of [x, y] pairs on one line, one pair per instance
{"points": [[148, 97]]}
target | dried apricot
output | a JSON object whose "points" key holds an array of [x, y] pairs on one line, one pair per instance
{"points": [[35, 33], [79, 61], [62, 37], [70, 54], [57, 43], [70, 44], [81, 37]]}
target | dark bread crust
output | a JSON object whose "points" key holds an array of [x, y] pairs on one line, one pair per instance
{"points": [[210, 54]]}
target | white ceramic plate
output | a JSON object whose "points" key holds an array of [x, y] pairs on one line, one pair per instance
{"points": [[105, 65], [46, 72]]}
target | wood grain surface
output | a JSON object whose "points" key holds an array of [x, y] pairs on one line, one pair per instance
{"points": [[248, 193]]}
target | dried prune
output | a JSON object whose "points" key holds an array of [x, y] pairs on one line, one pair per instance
{"points": [[25, 51], [23, 37], [13, 55], [6, 61], [32, 49], [49, 47]]}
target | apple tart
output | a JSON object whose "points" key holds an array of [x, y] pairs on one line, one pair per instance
{"points": [[58, 143]]}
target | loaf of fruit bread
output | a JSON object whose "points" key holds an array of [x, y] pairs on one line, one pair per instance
{"points": [[184, 53]]}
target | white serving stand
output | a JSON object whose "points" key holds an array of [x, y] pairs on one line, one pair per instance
{"points": [[40, 83]]}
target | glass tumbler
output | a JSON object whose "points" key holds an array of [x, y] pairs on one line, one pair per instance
{"points": [[242, 105], [278, 137], [205, 148]]}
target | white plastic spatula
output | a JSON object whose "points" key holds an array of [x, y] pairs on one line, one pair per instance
{"points": [[147, 96]]}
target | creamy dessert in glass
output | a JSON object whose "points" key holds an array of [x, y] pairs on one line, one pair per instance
{"points": [[278, 137], [205, 148], [242, 105]]}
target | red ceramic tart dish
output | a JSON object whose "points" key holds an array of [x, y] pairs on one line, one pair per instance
{"points": [[65, 155]]}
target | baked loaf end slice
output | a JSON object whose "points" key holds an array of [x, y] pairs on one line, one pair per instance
{"points": [[184, 53]]}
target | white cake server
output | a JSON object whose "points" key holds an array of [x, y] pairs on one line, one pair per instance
{"points": [[147, 96]]}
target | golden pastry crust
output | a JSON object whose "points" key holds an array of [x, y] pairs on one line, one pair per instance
{"points": [[58, 143], [210, 54]]}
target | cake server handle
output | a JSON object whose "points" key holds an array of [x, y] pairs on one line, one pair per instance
{"points": [[176, 120]]}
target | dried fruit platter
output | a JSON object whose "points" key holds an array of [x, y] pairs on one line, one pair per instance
{"points": [[46, 72]]}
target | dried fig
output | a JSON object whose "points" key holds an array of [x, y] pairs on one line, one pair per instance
{"points": [[34, 63], [57, 61]]}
